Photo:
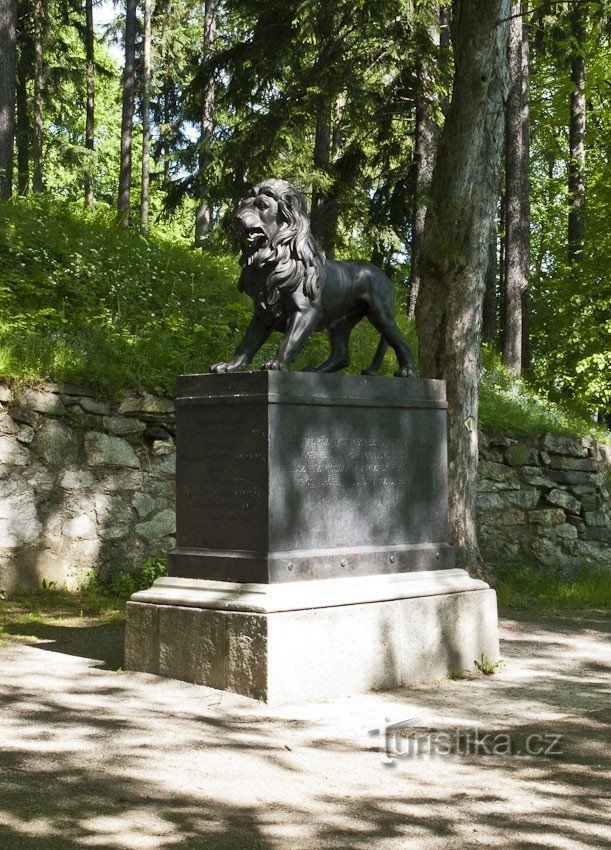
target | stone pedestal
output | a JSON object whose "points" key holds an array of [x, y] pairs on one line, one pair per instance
{"points": [[289, 476], [311, 556], [312, 640]]}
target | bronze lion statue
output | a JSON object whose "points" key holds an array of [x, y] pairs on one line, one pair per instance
{"points": [[297, 291]]}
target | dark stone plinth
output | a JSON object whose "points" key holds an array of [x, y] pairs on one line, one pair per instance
{"points": [[291, 476]]}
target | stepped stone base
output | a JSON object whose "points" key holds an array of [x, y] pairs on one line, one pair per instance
{"points": [[312, 640]]}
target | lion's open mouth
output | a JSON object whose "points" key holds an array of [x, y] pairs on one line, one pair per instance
{"points": [[253, 236]]}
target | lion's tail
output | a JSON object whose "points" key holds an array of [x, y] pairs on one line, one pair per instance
{"points": [[381, 350]]}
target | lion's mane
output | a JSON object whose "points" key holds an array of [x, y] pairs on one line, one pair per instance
{"points": [[292, 258]]}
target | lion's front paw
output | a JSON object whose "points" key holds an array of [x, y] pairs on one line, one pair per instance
{"points": [[274, 366], [405, 372], [219, 368]]}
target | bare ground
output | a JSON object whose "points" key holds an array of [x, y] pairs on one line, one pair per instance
{"points": [[94, 757]]}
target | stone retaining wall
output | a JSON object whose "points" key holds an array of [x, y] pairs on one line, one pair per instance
{"points": [[545, 501], [85, 485]]}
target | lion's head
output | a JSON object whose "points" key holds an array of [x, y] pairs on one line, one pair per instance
{"points": [[276, 238]]}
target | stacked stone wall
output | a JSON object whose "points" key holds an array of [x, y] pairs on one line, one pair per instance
{"points": [[86, 485], [545, 501]]}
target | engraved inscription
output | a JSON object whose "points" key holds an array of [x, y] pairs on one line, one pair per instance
{"points": [[327, 462]]}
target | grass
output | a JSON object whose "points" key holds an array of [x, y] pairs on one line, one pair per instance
{"points": [[86, 622], [29, 615], [526, 586], [511, 406], [83, 301]]}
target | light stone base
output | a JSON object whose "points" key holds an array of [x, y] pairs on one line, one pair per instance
{"points": [[312, 640]]}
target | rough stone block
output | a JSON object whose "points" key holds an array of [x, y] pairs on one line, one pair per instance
{"points": [[592, 502], [90, 405], [547, 516], [573, 476], [525, 498], [521, 455], [314, 653], [566, 531], [562, 446], [19, 522], [496, 471], [43, 402], [161, 525], [123, 426], [596, 517], [133, 405], [58, 444], [12, 453], [142, 638], [508, 516], [562, 499], [586, 464], [103, 450], [489, 501], [541, 482], [597, 532]]}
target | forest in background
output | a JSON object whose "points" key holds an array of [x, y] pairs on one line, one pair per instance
{"points": [[345, 99], [463, 148]]}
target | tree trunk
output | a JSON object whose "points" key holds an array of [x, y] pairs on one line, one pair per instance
{"points": [[489, 309], [8, 58], [456, 243], [127, 114], [425, 150], [203, 214], [22, 128], [517, 190], [577, 133], [37, 155], [146, 119], [90, 117], [325, 204]]}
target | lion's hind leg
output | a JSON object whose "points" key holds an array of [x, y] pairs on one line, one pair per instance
{"points": [[339, 338], [376, 364]]}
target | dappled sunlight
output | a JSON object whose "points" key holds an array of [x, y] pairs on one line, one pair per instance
{"points": [[93, 758]]}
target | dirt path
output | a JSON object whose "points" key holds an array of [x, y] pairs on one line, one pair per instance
{"points": [[91, 757]]}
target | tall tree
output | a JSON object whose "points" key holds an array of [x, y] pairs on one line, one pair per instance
{"points": [[90, 115], [146, 118], [425, 148], [203, 213], [37, 152], [456, 244], [127, 114], [324, 212], [8, 56], [577, 132], [489, 310], [22, 123], [517, 189]]}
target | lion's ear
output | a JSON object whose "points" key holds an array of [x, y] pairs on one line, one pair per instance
{"points": [[293, 206]]}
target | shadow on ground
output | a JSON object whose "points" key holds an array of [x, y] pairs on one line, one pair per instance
{"points": [[90, 758], [101, 642]]}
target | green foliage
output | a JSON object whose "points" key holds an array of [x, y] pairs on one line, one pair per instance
{"points": [[528, 586], [571, 303], [513, 406], [81, 300], [97, 596], [120, 584], [487, 667]]}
